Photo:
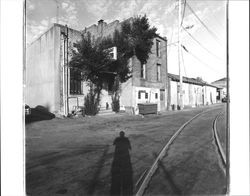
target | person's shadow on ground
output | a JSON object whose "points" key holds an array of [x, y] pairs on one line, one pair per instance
{"points": [[121, 171]]}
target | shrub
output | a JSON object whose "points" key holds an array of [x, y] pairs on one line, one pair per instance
{"points": [[91, 103], [115, 104]]}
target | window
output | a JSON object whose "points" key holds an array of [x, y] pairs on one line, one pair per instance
{"points": [[156, 95], [75, 82], [158, 46], [162, 92], [143, 71], [139, 95], [146, 95], [158, 74]]}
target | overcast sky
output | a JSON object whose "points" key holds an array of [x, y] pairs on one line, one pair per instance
{"points": [[206, 60]]}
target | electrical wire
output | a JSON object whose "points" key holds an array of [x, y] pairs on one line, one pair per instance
{"points": [[211, 32], [183, 14], [201, 44], [208, 66]]}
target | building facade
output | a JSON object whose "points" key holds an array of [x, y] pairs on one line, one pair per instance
{"points": [[49, 81], [222, 88], [195, 92]]}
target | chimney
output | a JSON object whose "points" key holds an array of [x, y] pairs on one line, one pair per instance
{"points": [[100, 21], [100, 27]]}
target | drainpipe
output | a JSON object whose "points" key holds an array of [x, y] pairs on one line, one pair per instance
{"points": [[67, 69], [63, 82]]}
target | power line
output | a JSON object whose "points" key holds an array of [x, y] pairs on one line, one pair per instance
{"points": [[199, 59], [211, 32], [183, 12], [201, 44]]}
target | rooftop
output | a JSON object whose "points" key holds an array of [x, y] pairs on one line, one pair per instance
{"points": [[196, 81]]}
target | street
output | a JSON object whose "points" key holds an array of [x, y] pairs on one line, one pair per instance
{"points": [[74, 156], [192, 164]]}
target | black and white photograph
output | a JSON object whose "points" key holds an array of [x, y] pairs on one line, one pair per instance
{"points": [[126, 97]]}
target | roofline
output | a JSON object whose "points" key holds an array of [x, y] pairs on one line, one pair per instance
{"points": [[60, 25], [190, 82], [222, 79], [48, 29], [165, 39]]}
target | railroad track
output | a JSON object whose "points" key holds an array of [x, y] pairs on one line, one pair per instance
{"points": [[146, 176], [218, 143]]}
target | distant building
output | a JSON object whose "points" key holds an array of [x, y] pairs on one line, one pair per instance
{"points": [[196, 92], [50, 83], [222, 88]]}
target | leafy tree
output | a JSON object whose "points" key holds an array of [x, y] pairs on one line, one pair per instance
{"points": [[91, 57]]}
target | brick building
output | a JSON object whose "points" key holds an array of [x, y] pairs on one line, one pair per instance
{"points": [[48, 80]]}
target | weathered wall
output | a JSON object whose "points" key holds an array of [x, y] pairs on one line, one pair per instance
{"points": [[143, 99], [151, 69], [102, 30], [150, 80], [41, 72], [174, 94], [210, 95], [126, 93], [74, 99], [46, 61], [193, 95]]}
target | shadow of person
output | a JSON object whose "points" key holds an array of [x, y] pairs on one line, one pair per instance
{"points": [[121, 171]]}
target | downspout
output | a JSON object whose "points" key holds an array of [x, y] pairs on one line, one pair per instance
{"points": [[63, 78], [67, 66]]}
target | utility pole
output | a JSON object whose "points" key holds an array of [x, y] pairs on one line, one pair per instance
{"points": [[180, 103]]}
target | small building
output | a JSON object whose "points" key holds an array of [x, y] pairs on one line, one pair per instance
{"points": [[196, 92], [222, 88], [49, 81]]}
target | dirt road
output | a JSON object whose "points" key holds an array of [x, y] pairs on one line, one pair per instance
{"points": [[192, 165], [74, 156]]}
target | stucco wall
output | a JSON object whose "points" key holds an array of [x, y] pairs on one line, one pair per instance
{"points": [[41, 72], [151, 96], [193, 95], [126, 93], [210, 95]]}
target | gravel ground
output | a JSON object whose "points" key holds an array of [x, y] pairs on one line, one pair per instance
{"points": [[191, 166], [74, 156]]}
